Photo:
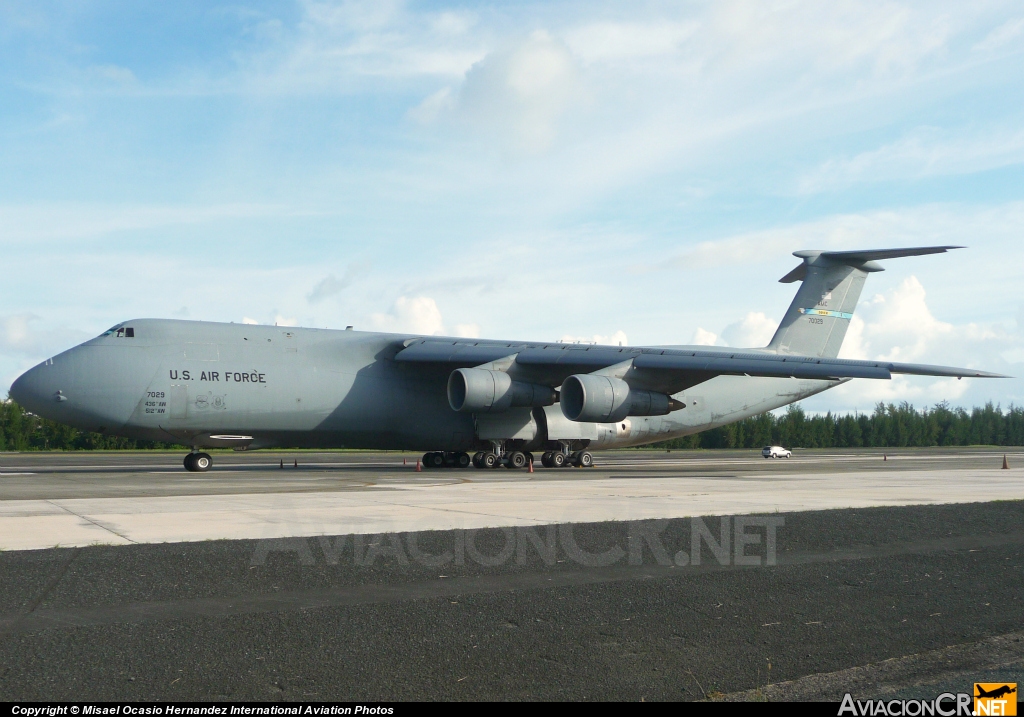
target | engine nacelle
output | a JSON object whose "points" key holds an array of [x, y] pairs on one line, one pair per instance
{"points": [[478, 390], [603, 399]]}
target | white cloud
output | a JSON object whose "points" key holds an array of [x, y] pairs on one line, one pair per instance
{"points": [[247, 320], [703, 337], [341, 46], [435, 105], [418, 315], [898, 325], [617, 41], [469, 331], [450, 22], [755, 330], [521, 92]]}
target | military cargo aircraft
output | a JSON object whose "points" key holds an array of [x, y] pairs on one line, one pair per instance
{"points": [[465, 402]]}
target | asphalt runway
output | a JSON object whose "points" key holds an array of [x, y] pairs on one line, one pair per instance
{"points": [[893, 599]]}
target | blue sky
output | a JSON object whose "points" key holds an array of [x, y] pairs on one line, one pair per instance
{"points": [[614, 171]]}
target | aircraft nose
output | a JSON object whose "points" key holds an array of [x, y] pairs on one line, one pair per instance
{"points": [[37, 391]]}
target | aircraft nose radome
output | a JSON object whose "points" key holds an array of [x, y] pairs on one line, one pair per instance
{"points": [[19, 389], [30, 391]]}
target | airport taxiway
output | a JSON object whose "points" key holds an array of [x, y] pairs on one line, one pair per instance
{"points": [[893, 577]]}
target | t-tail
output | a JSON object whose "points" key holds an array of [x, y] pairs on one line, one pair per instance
{"points": [[816, 322]]}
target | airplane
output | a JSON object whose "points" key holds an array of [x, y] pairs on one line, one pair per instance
{"points": [[996, 693], [215, 385]]}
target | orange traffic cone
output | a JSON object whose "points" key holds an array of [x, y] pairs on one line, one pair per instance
{"points": [[405, 461], [296, 463], [418, 469], [1006, 465], [531, 465]]}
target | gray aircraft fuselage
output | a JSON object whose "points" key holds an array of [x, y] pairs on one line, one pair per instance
{"points": [[213, 384]]}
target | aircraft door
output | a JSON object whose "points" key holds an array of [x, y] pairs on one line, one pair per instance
{"points": [[177, 399]]}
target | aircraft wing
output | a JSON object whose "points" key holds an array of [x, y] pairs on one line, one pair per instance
{"points": [[662, 369]]}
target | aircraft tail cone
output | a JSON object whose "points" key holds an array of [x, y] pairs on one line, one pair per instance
{"points": [[1006, 465], [418, 469]]}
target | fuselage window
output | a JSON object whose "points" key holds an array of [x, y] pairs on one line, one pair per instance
{"points": [[120, 333], [129, 332]]}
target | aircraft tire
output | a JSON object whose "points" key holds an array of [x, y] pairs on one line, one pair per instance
{"points": [[585, 459], [437, 459], [476, 459], [202, 461], [489, 460], [189, 463], [558, 460], [545, 460], [516, 460], [462, 460]]}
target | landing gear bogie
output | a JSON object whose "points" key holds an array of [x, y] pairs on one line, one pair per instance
{"points": [[441, 459]]}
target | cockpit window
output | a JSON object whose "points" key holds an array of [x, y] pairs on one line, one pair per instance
{"points": [[120, 332]]}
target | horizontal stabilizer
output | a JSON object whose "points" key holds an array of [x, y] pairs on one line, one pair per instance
{"points": [[859, 258]]}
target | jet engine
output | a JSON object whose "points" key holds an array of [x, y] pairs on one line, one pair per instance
{"points": [[603, 399], [479, 390]]}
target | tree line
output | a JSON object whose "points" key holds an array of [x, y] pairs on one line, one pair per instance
{"points": [[889, 426]]}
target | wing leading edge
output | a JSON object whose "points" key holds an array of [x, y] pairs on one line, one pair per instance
{"points": [[670, 369]]}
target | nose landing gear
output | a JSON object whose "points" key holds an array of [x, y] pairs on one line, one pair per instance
{"points": [[198, 462]]}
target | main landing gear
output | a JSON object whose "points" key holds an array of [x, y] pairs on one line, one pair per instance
{"points": [[445, 459], [513, 460], [559, 459], [198, 462]]}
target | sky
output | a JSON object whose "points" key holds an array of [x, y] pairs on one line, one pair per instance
{"points": [[634, 172]]}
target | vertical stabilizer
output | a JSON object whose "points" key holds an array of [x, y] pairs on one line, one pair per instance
{"points": [[816, 322]]}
